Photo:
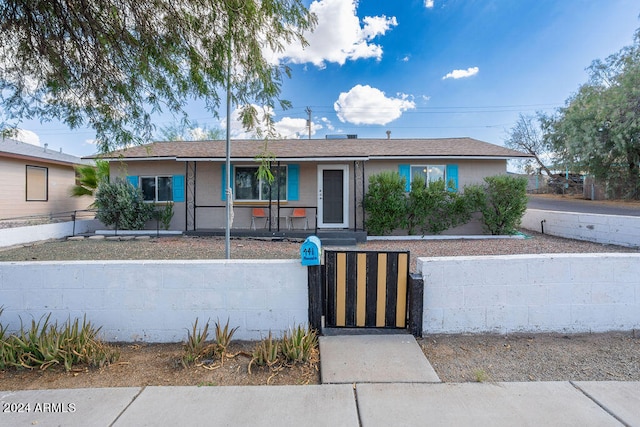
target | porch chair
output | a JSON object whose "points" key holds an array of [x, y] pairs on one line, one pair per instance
{"points": [[299, 213], [258, 213]]}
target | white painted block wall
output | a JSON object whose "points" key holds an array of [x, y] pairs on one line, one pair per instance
{"points": [[531, 293], [157, 301], [606, 229], [35, 233]]}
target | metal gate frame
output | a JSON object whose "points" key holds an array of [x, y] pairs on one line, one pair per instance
{"points": [[365, 289]]}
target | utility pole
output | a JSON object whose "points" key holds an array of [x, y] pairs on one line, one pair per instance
{"points": [[308, 111]]}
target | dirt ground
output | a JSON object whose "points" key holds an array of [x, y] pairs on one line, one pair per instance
{"points": [[455, 358]]}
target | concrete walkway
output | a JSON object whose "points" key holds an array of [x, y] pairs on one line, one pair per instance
{"points": [[378, 392]]}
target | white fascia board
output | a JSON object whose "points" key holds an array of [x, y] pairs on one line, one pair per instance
{"points": [[138, 159], [445, 157], [284, 159]]}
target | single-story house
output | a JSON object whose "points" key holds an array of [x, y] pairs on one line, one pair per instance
{"points": [[37, 181], [319, 183]]}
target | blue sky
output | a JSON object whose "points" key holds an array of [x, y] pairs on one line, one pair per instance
{"points": [[426, 68]]}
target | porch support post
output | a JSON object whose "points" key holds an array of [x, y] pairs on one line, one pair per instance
{"points": [[416, 304]]}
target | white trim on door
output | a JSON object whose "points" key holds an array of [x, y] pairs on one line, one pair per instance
{"points": [[345, 196]]}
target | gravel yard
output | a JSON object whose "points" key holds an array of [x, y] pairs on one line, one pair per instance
{"points": [[456, 358]]}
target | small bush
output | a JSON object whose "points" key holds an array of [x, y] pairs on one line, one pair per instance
{"points": [[122, 205], [502, 202], [385, 203], [434, 208]]}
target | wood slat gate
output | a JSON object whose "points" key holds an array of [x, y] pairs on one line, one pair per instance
{"points": [[365, 289]]}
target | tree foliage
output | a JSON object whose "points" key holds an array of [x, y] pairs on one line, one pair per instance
{"points": [[598, 131], [189, 131], [111, 65]]}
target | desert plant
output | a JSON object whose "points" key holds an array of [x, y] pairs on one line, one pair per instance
{"points": [[298, 345], [89, 177], [384, 203], [265, 353], [121, 204], [196, 344], [224, 335], [46, 344]]}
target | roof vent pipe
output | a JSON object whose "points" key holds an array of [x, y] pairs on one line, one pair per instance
{"points": [[388, 134], [45, 147]]}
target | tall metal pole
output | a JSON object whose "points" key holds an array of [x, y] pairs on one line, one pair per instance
{"points": [[229, 191], [308, 111]]}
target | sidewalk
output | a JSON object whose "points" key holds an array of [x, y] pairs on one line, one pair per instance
{"points": [[390, 399]]}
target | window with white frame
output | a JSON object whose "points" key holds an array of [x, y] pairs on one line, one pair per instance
{"points": [[248, 186], [37, 184], [157, 188], [430, 173]]}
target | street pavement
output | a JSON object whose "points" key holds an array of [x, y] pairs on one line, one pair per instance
{"points": [[390, 398], [583, 206]]}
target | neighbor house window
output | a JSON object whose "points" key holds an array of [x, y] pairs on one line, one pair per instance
{"points": [[157, 188], [430, 173], [249, 187], [37, 184]]}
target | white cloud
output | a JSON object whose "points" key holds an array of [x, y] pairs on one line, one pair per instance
{"points": [[295, 128], [461, 74], [328, 123], [370, 106], [428, 4], [339, 36], [27, 137]]}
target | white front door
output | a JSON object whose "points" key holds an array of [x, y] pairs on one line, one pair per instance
{"points": [[333, 196]]}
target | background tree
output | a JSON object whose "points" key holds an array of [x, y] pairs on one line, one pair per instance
{"points": [[111, 65], [526, 135], [599, 129]]}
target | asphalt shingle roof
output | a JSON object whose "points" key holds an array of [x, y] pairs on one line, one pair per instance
{"points": [[318, 149], [20, 149]]}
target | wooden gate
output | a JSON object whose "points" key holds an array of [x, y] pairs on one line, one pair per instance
{"points": [[366, 289]]}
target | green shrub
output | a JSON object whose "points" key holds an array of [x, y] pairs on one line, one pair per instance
{"points": [[502, 202], [433, 208], [385, 203], [121, 204]]}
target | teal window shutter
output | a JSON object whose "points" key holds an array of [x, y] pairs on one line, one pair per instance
{"points": [[224, 181], [452, 175], [133, 180], [405, 172], [293, 182], [178, 188]]}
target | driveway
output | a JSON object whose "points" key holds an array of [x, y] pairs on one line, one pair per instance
{"points": [[551, 203]]}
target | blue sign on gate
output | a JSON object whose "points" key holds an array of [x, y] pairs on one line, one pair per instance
{"points": [[310, 251]]}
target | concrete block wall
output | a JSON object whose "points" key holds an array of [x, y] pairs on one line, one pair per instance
{"points": [[531, 293], [157, 301], [34, 233], [606, 229]]}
